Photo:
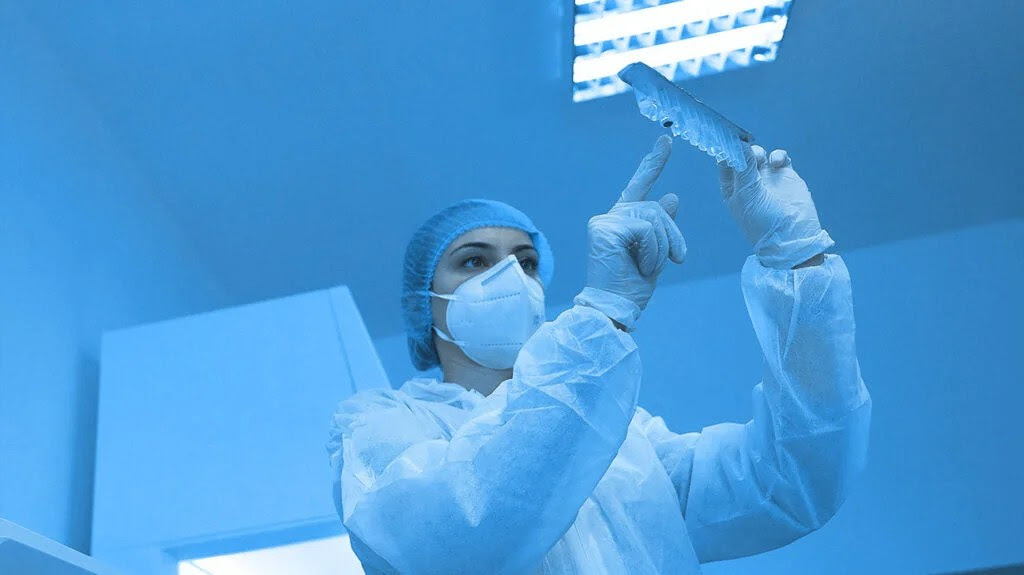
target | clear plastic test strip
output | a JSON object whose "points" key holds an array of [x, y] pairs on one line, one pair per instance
{"points": [[662, 101]]}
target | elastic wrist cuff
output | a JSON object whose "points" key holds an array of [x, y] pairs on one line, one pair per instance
{"points": [[786, 255], [616, 307]]}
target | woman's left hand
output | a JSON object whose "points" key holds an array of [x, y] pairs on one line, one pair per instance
{"points": [[773, 206]]}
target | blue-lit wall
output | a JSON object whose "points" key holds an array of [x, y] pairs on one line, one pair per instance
{"points": [[83, 248], [938, 336]]}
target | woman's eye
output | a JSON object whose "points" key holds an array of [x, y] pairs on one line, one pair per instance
{"points": [[528, 265], [474, 262]]}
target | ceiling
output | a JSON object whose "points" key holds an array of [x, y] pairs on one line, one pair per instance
{"points": [[299, 143]]}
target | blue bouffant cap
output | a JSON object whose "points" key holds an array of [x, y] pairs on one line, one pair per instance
{"points": [[424, 252]]}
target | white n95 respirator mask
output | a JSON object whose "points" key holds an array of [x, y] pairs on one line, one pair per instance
{"points": [[491, 315]]}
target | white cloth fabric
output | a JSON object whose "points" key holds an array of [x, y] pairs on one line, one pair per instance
{"points": [[558, 471]]}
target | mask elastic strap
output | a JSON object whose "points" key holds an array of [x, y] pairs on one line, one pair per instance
{"points": [[441, 335]]}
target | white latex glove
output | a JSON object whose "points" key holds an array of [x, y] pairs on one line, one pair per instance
{"points": [[773, 207], [628, 246]]}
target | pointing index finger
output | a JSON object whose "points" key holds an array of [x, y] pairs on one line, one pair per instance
{"points": [[648, 172]]}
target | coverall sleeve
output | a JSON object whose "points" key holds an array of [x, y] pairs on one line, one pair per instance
{"points": [[745, 489], [497, 494]]}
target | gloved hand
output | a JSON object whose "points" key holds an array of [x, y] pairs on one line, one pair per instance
{"points": [[629, 245], [774, 209]]}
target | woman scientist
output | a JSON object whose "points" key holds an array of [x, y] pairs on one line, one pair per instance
{"points": [[532, 455]]}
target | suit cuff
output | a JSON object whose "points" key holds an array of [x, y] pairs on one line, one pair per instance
{"points": [[616, 307]]}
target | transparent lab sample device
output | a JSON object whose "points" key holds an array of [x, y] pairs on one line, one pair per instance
{"points": [[662, 101]]}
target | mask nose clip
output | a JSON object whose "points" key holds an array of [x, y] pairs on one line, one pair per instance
{"points": [[499, 269]]}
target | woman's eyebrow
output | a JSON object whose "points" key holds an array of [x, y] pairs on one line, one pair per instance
{"points": [[518, 249], [481, 245]]}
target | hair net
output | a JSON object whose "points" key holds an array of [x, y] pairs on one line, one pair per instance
{"points": [[424, 252]]}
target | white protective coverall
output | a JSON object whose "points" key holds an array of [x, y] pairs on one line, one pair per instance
{"points": [[559, 471]]}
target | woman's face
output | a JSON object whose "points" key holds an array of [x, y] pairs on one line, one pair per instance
{"points": [[474, 252]]}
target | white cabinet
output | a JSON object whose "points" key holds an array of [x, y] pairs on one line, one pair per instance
{"points": [[211, 429]]}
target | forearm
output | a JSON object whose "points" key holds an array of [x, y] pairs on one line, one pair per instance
{"points": [[812, 414], [805, 325]]}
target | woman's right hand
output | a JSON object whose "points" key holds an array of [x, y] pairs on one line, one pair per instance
{"points": [[629, 245]]}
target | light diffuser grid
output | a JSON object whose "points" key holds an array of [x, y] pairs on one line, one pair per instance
{"points": [[681, 39]]}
